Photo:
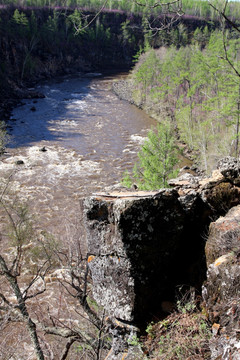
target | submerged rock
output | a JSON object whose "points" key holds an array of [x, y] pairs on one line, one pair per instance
{"points": [[19, 162]]}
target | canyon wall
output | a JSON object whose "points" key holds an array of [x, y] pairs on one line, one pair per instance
{"points": [[38, 43]]}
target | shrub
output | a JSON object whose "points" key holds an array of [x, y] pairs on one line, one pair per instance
{"points": [[182, 335]]}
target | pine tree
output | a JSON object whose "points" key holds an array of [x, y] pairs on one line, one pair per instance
{"points": [[157, 160]]}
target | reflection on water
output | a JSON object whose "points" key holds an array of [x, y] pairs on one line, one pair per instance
{"points": [[77, 140]]}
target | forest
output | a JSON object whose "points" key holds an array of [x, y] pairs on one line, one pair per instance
{"points": [[189, 7], [195, 86], [38, 42]]}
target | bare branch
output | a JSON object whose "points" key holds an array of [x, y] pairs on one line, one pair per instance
{"points": [[21, 305], [99, 347], [67, 348], [66, 332], [228, 60], [82, 297], [165, 25], [158, 3], [39, 275], [36, 294], [222, 13], [5, 300], [78, 30], [226, 57]]}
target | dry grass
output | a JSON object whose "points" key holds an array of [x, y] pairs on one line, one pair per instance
{"points": [[182, 335]]}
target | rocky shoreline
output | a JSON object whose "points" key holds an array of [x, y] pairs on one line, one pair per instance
{"points": [[13, 92], [13, 98], [123, 89]]}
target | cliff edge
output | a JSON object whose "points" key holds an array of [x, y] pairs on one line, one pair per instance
{"points": [[143, 245]]}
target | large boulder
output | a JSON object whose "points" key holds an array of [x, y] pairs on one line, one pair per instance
{"points": [[142, 245], [230, 169], [132, 244], [221, 291]]}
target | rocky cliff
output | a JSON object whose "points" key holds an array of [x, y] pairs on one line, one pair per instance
{"points": [[143, 245]]}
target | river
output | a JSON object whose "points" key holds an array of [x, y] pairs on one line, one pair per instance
{"points": [[77, 140]]}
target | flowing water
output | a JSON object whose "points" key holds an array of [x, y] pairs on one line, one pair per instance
{"points": [[76, 141]]}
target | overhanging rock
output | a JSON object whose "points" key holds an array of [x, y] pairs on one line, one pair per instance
{"points": [[135, 243]]}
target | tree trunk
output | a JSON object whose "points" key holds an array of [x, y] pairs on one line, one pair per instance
{"points": [[31, 326]]}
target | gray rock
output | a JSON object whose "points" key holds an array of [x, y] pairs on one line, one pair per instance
{"points": [[189, 201], [230, 168], [115, 285], [186, 181], [224, 348], [123, 89], [221, 291], [135, 243], [141, 245], [131, 243]]}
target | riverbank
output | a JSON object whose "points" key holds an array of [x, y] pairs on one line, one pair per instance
{"points": [[180, 85], [12, 97], [124, 89], [42, 43]]}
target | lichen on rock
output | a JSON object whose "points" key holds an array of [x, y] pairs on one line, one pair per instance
{"points": [[221, 291], [141, 245]]}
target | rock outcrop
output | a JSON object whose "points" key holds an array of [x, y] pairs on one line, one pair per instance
{"points": [[222, 289], [135, 243], [130, 244], [142, 245]]}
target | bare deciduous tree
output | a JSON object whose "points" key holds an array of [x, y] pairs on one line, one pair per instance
{"points": [[34, 272]]}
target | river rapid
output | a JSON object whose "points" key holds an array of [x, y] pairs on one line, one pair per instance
{"points": [[76, 141]]}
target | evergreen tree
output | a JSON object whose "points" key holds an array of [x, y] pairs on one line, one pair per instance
{"points": [[157, 160]]}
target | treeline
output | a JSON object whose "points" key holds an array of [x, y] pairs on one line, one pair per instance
{"points": [[197, 87], [46, 42], [40, 42], [198, 8]]}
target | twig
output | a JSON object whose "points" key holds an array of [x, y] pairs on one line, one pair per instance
{"points": [[93, 19]]}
